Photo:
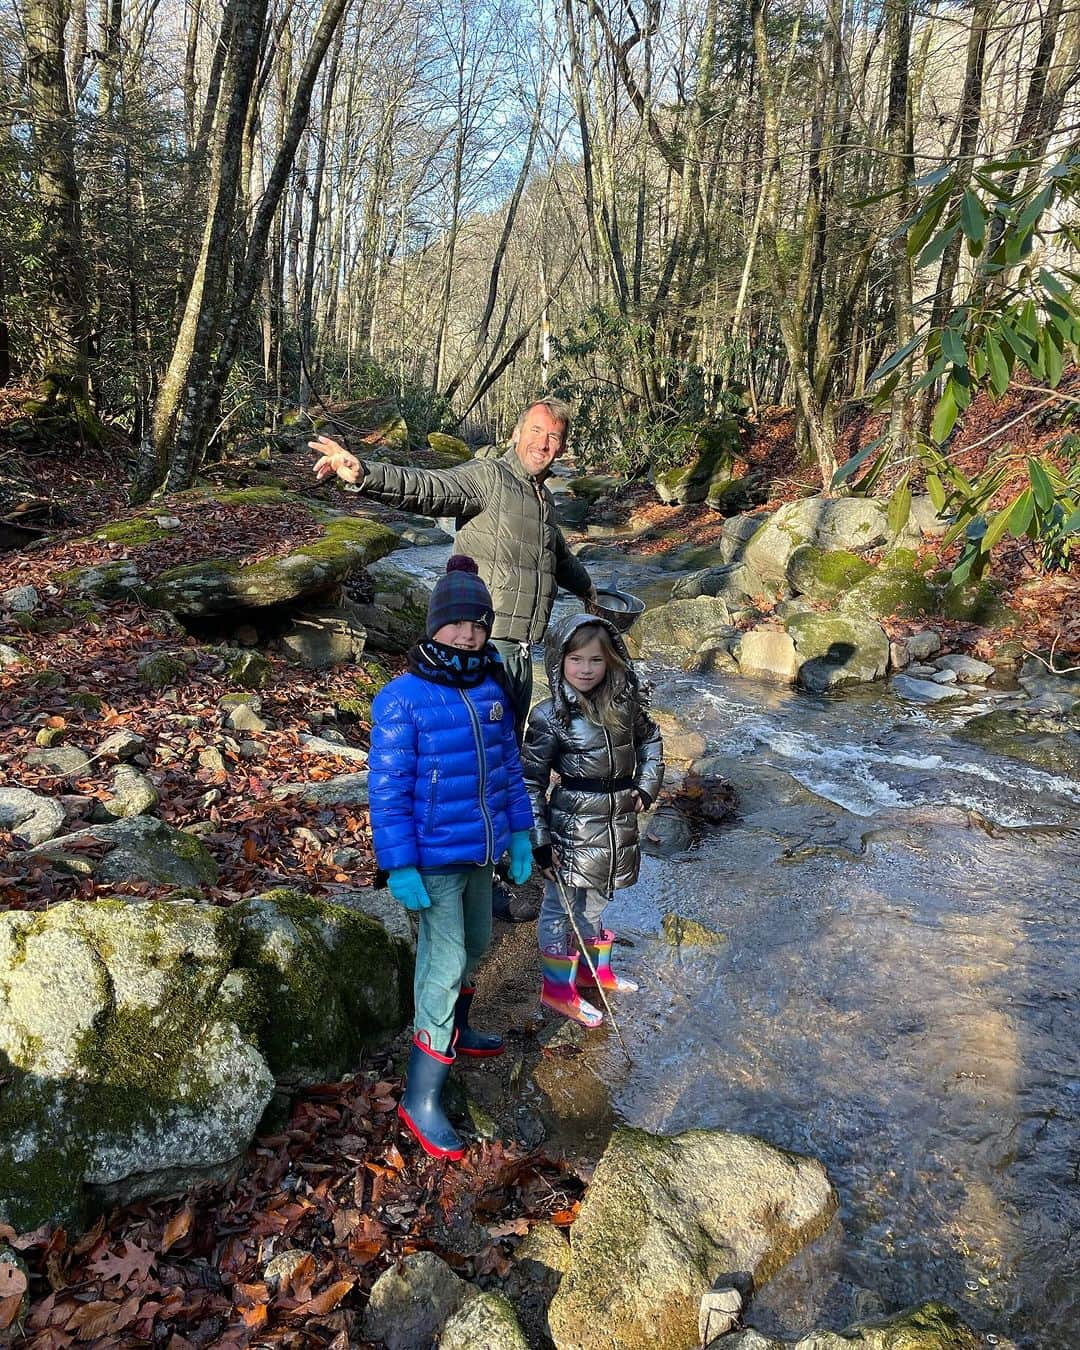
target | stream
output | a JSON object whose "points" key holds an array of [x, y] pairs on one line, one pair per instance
{"points": [[895, 994]]}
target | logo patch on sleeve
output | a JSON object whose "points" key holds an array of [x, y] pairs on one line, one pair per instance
{"points": [[496, 713]]}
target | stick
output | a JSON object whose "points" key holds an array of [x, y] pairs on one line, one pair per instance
{"points": [[583, 951]]}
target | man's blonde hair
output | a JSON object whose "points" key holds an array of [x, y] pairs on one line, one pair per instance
{"points": [[559, 409]]}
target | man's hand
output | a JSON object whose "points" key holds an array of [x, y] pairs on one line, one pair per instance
{"points": [[591, 603], [335, 459]]}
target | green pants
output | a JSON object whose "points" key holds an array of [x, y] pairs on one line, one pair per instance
{"points": [[454, 933], [517, 662]]}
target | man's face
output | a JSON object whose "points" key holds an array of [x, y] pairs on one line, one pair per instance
{"points": [[539, 440]]}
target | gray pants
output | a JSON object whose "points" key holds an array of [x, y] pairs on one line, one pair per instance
{"points": [[517, 662], [553, 927]]}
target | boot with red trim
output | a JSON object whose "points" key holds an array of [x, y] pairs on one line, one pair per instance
{"points": [[475, 1044], [598, 950], [559, 991], [420, 1109]]}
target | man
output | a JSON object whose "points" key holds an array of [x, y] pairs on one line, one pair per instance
{"points": [[506, 521]]}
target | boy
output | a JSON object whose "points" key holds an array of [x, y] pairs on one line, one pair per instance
{"points": [[447, 799]]}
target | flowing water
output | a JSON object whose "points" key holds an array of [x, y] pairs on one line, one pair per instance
{"points": [[896, 995]]}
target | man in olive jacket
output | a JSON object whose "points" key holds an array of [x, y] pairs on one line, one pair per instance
{"points": [[506, 521]]}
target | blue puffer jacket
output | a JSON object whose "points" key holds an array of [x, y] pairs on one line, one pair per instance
{"points": [[444, 775]]}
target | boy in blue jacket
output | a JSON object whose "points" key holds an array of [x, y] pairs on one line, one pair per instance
{"points": [[447, 799]]}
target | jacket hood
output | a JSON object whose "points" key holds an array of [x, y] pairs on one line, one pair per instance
{"points": [[555, 643]]}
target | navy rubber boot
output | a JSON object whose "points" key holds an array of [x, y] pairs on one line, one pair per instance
{"points": [[420, 1109], [475, 1044]]}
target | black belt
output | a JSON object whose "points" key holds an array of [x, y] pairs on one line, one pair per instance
{"points": [[598, 784]]}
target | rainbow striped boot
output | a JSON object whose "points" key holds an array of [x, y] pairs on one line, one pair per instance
{"points": [[598, 950], [559, 992]]}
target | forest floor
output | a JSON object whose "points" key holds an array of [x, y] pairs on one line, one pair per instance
{"points": [[338, 1180]]}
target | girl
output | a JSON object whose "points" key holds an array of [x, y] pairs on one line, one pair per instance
{"points": [[595, 734]]}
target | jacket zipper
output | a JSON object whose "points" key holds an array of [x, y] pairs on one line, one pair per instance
{"points": [[543, 532], [611, 811], [489, 829], [433, 788]]}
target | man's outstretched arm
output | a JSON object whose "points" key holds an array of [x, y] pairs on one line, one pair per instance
{"points": [[462, 491]]}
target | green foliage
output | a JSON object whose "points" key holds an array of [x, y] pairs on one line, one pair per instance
{"points": [[1019, 326], [422, 407], [638, 409]]}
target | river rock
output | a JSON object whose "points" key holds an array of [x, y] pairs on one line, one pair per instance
{"points": [[766, 654], [142, 848], [350, 788], [966, 669], [249, 670], [378, 904], [244, 717], [714, 657], [737, 531], [541, 1259], [738, 493], [930, 1326], [923, 691], [1045, 738], [679, 627], [397, 614], [834, 650], [921, 646], [133, 794], [124, 744], [734, 583], [715, 447], [899, 655], [665, 1219], [157, 670], [9, 656], [1056, 692], [665, 832], [30, 815], [20, 600], [130, 1068], [487, 1321], [897, 586], [64, 761], [328, 977], [411, 1301], [682, 932], [321, 638], [323, 745]]}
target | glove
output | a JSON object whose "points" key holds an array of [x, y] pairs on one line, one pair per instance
{"points": [[407, 887], [542, 857], [520, 857]]}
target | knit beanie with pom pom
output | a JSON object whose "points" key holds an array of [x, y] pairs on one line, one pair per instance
{"points": [[460, 595]]}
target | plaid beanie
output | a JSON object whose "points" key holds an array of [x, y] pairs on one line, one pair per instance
{"points": [[460, 595]]}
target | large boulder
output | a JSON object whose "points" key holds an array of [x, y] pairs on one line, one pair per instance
{"points": [[823, 574], [126, 1035], [330, 979], [330, 635], [930, 1326], [897, 586], [834, 650], [729, 495], [679, 627], [854, 524], [766, 654], [140, 848], [665, 1219], [737, 531], [397, 614], [714, 450], [734, 583]]}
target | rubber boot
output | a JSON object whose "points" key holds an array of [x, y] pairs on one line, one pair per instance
{"points": [[475, 1044], [598, 950], [559, 991], [420, 1108]]}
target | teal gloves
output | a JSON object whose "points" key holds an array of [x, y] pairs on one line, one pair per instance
{"points": [[407, 887], [521, 858]]}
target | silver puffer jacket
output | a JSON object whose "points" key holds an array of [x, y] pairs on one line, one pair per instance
{"points": [[594, 832]]}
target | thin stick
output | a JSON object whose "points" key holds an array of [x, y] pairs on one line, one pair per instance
{"points": [[583, 951]]}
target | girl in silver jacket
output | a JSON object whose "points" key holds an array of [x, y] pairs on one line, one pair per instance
{"points": [[595, 735]]}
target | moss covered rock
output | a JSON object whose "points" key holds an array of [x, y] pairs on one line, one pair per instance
{"points": [[250, 670], [732, 495], [330, 980], [130, 1069], [852, 524], [978, 602], [450, 447], [824, 574], [397, 616], [487, 1319], [141, 848], [714, 448], [1047, 739], [898, 586], [592, 486], [679, 627], [664, 1217], [837, 649]]}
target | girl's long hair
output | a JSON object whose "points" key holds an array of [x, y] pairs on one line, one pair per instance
{"points": [[599, 706]]}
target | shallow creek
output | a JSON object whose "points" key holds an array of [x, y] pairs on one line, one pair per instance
{"points": [[895, 994]]}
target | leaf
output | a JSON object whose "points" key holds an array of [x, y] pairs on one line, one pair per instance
{"points": [[972, 220], [1052, 359], [997, 527], [1058, 288], [9, 1309], [944, 415], [255, 1316], [952, 346], [922, 227], [1040, 485], [999, 367], [936, 489], [12, 1279], [177, 1228], [845, 471], [90, 1320], [899, 507], [134, 1264], [937, 246], [324, 1302], [894, 360], [1023, 509]]}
